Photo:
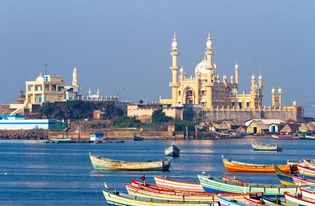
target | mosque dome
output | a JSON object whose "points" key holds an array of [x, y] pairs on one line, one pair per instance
{"points": [[40, 78], [202, 68]]}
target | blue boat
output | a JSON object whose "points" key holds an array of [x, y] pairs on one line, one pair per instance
{"points": [[172, 151], [284, 177]]}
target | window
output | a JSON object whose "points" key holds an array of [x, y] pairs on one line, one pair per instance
{"points": [[247, 104], [53, 87], [240, 105], [232, 104]]}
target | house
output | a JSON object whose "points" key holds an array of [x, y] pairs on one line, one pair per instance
{"points": [[257, 127], [290, 127]]}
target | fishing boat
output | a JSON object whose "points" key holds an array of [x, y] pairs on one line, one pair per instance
{"points": [[285, 178], [296, 200], [172, 151], [101, 163], [60, 140], [236, 166], [224, 201], [137, 138], [178, 185], [213, 185], [303, 181], [97, 137], [266, 147], [309, 163], [308, 192], [285, 137], [117, 198], [308, 137], [305, 171]]}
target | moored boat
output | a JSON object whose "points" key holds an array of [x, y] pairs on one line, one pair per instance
{"points": [[137, 138], [225, 201], [285, 137], [236, 166], [115, 198], [303, 181], [97, 137], [308, 192], [213, 185], [101, 163], [266, 147], [284, 177], [309, 163], [176, 184], [308, 137], [289, 198], [305, 171], [172, 151], [233, 179]]}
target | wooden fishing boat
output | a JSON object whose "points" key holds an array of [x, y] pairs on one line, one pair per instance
{"points": [[236, 166], [285, 137], [212, 185], [259, 201], [309, 163], [225, 201], [307, 137], [101, 163], [115, 198], [172, 151], [176, 184], [266, 147], [289, 198], [308, 192], [233, 179], [305, 171], [284, 177], [303, 181], [137, 138]]}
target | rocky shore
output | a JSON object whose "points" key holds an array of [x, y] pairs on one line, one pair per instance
{"points": [[24, 134]]}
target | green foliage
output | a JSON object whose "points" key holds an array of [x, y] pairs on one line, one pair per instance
{"points": [[159, 116], [180, 125], [126, 121]]}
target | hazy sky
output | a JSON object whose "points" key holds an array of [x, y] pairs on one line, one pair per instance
{"points": [[125, 44]]}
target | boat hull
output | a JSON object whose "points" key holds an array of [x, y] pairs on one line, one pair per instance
{"points": [[172, 151], [235, 166], [308, 193], [266, 148], [289, 198], [305, 171], [284, 178], [104, 164], [209, 185], [302, 181], [178, 185]]}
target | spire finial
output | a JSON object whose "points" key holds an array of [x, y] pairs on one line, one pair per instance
{"points": [[174, 36], [209, 42]]}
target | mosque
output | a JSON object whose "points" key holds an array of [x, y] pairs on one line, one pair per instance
{"points": [[221, 99]]}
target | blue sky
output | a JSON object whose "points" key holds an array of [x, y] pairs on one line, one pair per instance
{"points": [[125, 45]]}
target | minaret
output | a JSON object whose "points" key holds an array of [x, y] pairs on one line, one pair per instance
{"points": [[260, 82], [236, 73], [174, 67], [273, 97], [280, 97], [75, 78], [209, 52], [253, 84]]}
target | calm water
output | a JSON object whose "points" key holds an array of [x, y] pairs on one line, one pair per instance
{"points": [[61, 174]]}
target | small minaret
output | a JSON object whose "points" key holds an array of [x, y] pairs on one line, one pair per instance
{"points": [[174, 67], [236, 73], [253, 85], [209, 52], [273, 97], [260, 82], [280, 97], [75, 78]]}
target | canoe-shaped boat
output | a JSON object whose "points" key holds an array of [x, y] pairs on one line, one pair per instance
{"points": [[289, 198], [137, 138], [302, 181], [178, 185], [101, 163], [308, 192], [262, 201], [305, 171], [213, 185], [308, 137], [115, 198], [284, 177], [236, 166], [309, 163], [225, 201], [172, 151], [266, 147], [285, 137]]}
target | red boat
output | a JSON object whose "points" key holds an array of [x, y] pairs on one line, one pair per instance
{"points": [[284, 137]]}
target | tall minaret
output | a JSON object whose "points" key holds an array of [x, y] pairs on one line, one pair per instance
{"points": [[209, 52], [260, 82], [280, 97], [75, 78], [236, 73], [273, 97], [174, 67], [253, 85]]}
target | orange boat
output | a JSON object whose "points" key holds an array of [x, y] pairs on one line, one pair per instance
{"points": [[235, 166]]}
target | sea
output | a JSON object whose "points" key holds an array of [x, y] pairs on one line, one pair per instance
{"points": [[37, 173]]}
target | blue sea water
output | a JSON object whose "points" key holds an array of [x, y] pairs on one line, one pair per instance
{"points": [[61, 174]]}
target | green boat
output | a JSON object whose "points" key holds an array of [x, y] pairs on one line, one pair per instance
{"points": [[211, 185]]}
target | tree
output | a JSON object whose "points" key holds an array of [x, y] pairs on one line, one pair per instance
{"points": [[159, 116]]}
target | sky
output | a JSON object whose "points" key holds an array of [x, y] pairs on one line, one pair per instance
{"points": [[124, 45]]}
